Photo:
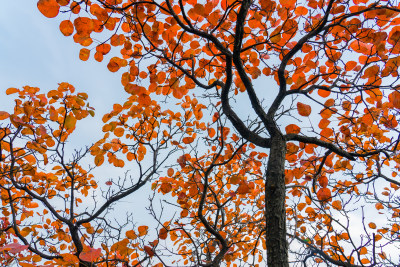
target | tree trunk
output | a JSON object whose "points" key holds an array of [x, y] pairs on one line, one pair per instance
{"points": [[275, 213]]}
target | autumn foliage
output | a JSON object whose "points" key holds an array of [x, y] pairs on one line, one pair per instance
{"points": [[268, 128]]}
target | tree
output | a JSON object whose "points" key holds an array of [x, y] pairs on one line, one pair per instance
{"points": [[319, 135]]}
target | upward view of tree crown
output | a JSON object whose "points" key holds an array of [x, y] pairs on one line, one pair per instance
{"points": [[269, 128]]}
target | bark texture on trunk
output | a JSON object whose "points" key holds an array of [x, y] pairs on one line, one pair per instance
{"points": [[275, 212]]}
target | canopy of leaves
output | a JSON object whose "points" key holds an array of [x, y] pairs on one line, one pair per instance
{"points": [[234, 106]]}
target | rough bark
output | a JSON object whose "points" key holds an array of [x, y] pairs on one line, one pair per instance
{"points": [[275, 214]]}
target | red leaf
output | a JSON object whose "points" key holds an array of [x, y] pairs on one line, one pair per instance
{"points": [[14, 247], [149, 251], [182, 161], [90, 255], [163, 233]]}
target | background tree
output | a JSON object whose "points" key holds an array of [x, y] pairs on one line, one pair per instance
{"points": [[319, 82], [48, 212]]}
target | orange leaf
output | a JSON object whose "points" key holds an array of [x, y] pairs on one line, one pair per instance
{"points": [[372, 225], [379, 206], [301, 206], [182, 161], [187, 140], [70, 258], [184, 213], [330, 102], [324, 123], [75, 7], [30, 158], [365, 261], [98, 56], [350, 65], [363, 251], [143, 230], [327, 132], [143, 75], [395, 99], [211, 132], [309, 210], [98, 160], [323, 93], [170, 172], [235, 179], [371, 71], [243, 188], [177, 93], [337, 204], [49, 8], [113, 66], [324, 194], [301, 11], [130, 156], [84, 26], [84, 54], [4, 115], [144, 100], [11, 90], [121, 246], [292, 128], [131, 234], [66, 27], [303, 109], [119, 131], [103, 48], [166, 188], [288, 4], [63, 2], [323, 181]]}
